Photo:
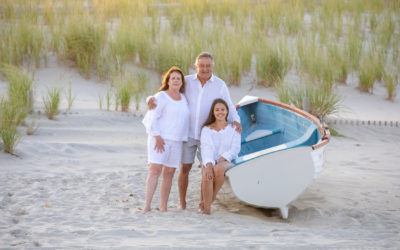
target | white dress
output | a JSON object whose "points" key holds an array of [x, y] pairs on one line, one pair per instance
{"points": [[215, 144]]}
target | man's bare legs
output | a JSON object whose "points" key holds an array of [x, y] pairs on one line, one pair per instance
{"points": [[183, 182]]}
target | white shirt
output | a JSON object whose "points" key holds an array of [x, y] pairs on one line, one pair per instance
{"points": [[215, 144], [201, 98], [170, 119]]}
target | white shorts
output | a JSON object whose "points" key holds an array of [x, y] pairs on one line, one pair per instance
{"points": [[171, 157]]}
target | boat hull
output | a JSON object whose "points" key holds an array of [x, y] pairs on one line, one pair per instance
{"points": [[273, 180]]}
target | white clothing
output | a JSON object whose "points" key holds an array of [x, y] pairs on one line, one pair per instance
{"points": [[170, 119], [215, 144], [200, 100], [171, 157]]}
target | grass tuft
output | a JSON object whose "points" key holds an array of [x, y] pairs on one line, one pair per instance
{"points": [[10, 117], [51, 102]]}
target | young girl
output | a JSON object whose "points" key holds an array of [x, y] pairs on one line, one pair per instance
{"points": [[220, 144], [167, 126]]}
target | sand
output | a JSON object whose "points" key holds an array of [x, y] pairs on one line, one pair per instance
{"points": [[78, 182]]}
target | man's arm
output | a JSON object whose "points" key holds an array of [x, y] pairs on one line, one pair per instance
{"points": [[233, 114], [151, 104]]}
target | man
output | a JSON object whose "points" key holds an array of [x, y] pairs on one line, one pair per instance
{"points": [[201, 90]]}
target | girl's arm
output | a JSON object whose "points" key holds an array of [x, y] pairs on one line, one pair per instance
{"points": [[234, 148], [207, 148]]}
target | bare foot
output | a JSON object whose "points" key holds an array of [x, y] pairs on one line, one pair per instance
{"points": [[146, 210], [163, 209], [201, 207], [183, 205], [206, 211]]}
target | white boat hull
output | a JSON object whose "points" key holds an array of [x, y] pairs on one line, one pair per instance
{"points": [[275, 180]]}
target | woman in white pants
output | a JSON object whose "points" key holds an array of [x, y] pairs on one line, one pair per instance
{"points": [[167, 126], [220, 144]]}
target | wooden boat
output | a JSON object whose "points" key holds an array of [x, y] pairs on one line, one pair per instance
{"points": [[282, 152]]}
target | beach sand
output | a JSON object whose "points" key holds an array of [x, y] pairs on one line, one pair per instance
{"points": [[79, 182]]}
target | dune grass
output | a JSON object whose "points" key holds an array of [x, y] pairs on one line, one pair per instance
{"points": [[102, 36], [272, 63], [366, 77], [10, 118], [22, 42], [51, 102], [124, 90], [69, 96], [391, 81], [321, 101], [20, 83], [84, 41], [139, 88]]}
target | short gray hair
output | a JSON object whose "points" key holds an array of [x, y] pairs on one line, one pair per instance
{"points": [[204, 54]]}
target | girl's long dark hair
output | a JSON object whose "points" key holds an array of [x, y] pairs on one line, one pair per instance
{"points": [[165, 86], [211, 116]]}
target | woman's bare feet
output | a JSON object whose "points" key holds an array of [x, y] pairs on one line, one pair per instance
{"points": [[146, 210], [206, 211], [201, 207], [183, 205]]}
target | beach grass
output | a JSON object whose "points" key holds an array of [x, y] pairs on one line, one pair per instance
{"points": [[124, 90], [51, 102], [366, 77], [20, 83], [272, 63], [10, 118], [69, 96], [321, 101], [102, 36], [84, 41], [139, 88], [108, 99], [391, 81]]}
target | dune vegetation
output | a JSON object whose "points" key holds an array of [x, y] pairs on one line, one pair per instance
{"points": [[321, 42]]}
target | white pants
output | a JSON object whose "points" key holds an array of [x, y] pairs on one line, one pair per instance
{"points": [[171, 157]]}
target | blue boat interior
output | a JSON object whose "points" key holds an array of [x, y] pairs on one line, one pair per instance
{"points": [[265, 125]]}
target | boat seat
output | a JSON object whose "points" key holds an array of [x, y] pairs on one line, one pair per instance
{"points": [[258, 133]]}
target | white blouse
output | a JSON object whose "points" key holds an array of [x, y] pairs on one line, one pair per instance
{"points": [[170, 119], [215, 144]]}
